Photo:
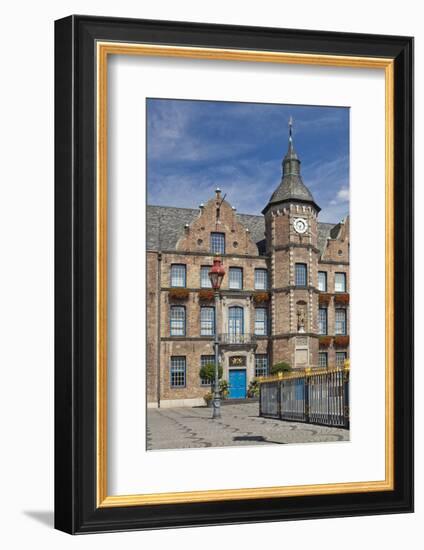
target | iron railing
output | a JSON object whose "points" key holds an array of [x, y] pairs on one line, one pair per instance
{"points": [[320, 397], [236, 339]]}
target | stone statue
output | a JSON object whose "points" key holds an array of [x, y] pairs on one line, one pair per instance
{"points": [[301, 319]]}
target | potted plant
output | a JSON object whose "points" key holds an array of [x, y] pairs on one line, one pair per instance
{"points": [[208, 397], [253, 389], [207, 372], [281, 367]]}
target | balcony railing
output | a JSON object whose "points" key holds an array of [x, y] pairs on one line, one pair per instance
{"points": [[236, 339]]}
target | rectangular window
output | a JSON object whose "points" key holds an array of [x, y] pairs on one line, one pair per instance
{"points": [[261, 365], [218, 243], [261, 279], [178, 372], [340, 321], [341, 357], [323, 359], [177, 318], [261, 321], [178, 275], [322, 320], [235, 278], [205, 282], [207, 321], [340, 282], [322, 281], [206, 360], [300, 275]]}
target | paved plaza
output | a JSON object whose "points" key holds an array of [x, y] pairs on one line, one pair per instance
{"points": [[193, 427]]}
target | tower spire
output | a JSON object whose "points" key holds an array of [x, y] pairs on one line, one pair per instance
{"points": [[291, 162], [291, 187]]}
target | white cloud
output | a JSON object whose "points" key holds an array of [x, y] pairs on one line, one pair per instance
{"points": [[343, 194]]}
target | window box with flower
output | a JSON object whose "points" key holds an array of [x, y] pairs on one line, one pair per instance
{"points": [[324, 341], [178, 294], [341, 341], [261, 297], [342, 299]]}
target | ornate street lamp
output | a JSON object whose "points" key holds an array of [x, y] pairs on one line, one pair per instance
{"points": [[216, 274]]}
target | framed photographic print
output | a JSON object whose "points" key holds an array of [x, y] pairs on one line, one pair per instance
{"points": [[233, 274]]}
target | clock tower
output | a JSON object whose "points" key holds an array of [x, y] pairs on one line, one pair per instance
{"points": [[291, 229]]}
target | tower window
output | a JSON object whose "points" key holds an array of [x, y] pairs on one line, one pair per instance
{"points": [[261, 279], [236, 278], [340, 282], [300, 275], [177, 321], [178, 275], [322, 281], [178, 372], [218, 243], [322, 320]]}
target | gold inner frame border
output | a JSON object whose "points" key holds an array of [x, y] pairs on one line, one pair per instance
{"points": [[103, 50]]}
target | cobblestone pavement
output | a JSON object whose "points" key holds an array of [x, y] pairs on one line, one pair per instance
{"points": [[179, 428]]}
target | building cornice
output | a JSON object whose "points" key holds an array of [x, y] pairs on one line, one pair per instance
{"points": [[334, 262], [296, 245], [211, 255], [294, 287]]}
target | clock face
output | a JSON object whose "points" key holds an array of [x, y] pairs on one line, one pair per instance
{"points": [[300, 225]]}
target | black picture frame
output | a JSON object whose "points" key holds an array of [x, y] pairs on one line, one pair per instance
{"points": [[76, 510]]}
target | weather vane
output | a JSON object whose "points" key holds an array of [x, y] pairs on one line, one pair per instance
{"points": [[290, 128]]}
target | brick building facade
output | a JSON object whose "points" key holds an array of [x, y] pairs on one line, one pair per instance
{"points": [[284, 296]]}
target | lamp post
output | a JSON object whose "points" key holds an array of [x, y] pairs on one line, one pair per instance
{"points": [[216, 274]]}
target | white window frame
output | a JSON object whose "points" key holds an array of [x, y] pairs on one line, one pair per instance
{"points": [[207, 326], [324, 274], [235, 283], [213, 247], [263, 283], [342, 277], [174, 268]]}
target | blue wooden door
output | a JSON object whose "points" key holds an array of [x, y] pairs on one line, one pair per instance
{"points": [[237, 384]]}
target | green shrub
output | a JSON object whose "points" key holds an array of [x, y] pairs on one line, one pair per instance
{"points": [[253, 389], [223, 388], [280, 367], [207, 372]]}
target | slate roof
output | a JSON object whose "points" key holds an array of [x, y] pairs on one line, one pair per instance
{"points": [[291, 188], [165, 225]]}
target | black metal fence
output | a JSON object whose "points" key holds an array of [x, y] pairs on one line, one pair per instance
{"points": [[320, 397]]}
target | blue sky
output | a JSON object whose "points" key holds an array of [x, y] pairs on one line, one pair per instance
{"points": [[195, 146]]}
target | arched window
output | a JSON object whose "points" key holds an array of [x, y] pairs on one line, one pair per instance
{"points": [[235, 321]]}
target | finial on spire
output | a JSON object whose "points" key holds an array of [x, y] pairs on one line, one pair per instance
{"points": [[291, 129]]}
